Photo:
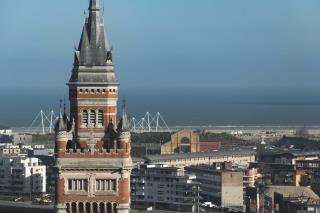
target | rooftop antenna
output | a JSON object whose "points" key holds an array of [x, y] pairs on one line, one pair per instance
{"points": [[64, 105], [103, 9], [60, 106], [85, 16], [124, 102]]}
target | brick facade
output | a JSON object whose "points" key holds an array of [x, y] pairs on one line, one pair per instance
{"points": [[93, 161]]}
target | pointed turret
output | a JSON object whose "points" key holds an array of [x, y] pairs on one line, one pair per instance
{"points": [[61, 125], [123, 125], [110, 127], [124, 136], [110, 134], [61, 134], [65, 118]]}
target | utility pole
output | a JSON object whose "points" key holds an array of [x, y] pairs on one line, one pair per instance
{"points": [[198, 207]]}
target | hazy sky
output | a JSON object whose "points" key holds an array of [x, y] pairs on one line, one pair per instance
{"points": [[167, 44]]}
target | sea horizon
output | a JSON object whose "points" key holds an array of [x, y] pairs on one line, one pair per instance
{"points": [[198, 107]]}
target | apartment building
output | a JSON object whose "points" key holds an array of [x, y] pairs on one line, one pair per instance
{"points": [[21, 176], [163, 188], [220, 184]]}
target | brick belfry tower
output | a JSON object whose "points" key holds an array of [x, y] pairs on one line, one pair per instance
{"points": [[93, 159]]}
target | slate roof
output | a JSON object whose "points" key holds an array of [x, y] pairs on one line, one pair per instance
{"points": [[93, 46], [93, 57]]}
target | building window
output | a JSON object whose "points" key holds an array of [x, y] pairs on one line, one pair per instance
{"points": [[92, 117], [106, 185], [100, 118], [85, 118], [78, 184]]}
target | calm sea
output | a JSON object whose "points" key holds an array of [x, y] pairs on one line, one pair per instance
{"points": [[197, 107]]}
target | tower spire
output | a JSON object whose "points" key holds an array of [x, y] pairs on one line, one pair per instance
{"points": [[93, 95], [93, 47], [94, 5]]}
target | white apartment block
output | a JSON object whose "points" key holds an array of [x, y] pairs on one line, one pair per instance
{"points": [[21, 175], [163, 188], [6, 131]]}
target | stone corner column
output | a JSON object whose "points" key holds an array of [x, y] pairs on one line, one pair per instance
{"points": [[123, 208], [60, 208]]}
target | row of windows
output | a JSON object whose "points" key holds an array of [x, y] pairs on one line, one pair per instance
{"points": [[106, 185], [101, 185], [86, 207], [312, 165], [92, 118], [96, 91], [78, 184]]}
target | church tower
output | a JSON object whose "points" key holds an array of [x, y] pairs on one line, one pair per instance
{"points": [[92, 149]]}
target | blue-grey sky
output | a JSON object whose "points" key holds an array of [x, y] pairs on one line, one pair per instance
{"points": [[224, 62], [167, 44]]}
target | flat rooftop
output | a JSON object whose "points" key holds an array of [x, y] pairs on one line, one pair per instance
{"points": [[216, 154]]}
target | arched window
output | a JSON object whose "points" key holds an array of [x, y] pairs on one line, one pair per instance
{"points": [[115, 208], [92, 117], [88, 207], [95, 208], [74, 207], [68, 208], [81, 208], [109, 207], [85, 118], [185, 141], [102, 208], [100, 118]]}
